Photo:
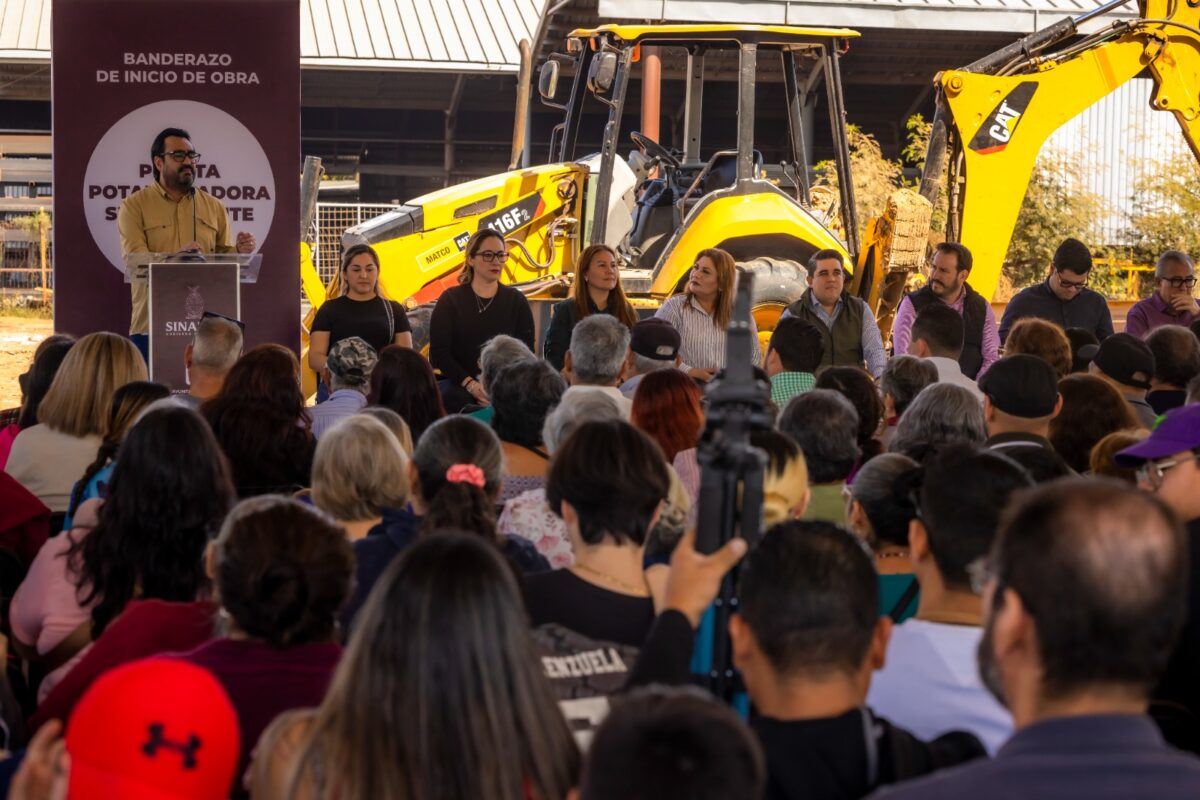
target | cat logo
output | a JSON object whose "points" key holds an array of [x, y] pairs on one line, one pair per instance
{"points": [[997, 131]]}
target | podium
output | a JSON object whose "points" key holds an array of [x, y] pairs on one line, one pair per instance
{"points": [[181, 288]]}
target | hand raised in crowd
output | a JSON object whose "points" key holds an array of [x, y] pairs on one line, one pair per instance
{"points": [[695, 579], [45, 772]]}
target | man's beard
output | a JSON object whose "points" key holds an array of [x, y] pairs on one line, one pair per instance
{"points": [[182, 181], [989, 670]]}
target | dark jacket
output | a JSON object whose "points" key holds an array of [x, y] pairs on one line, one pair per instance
{"points": [[974, 316], [398, 529], [562, 324], [843, 344], [848, 756], [1098, 757], [1087, 310]]}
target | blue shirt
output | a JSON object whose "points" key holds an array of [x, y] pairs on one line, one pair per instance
{"points": [[1098, 757], [341, 404]]}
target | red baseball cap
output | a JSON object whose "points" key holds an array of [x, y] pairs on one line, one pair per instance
{"points": [[159, 729]]}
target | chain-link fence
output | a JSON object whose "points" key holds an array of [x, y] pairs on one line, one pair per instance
{"points": [[332, 221]]}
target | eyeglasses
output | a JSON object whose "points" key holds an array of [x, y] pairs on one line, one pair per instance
{"points": [[1153, 473], [179, 156], [1068, 285], [215, 315], [1180, 283], [979, 572], [492, 255]]}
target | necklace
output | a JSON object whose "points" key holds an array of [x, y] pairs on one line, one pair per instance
{"points": [[953, 618], [893, 554], [482, 306], [640, 591]]}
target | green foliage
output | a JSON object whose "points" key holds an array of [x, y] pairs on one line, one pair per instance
{"points": [[1055, 207], [875, 177], [1166, 205]]}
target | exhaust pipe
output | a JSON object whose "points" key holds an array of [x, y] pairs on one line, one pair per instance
{"points": [[521, 117]]}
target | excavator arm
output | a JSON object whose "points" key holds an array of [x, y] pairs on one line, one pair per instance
{"points": [[994, 116]]}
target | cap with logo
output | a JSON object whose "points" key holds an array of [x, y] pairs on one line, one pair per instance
{"points": [[1021, 385], [1178, 432], [159, 729], [655, 338], [351, 360], [1126, 359]]}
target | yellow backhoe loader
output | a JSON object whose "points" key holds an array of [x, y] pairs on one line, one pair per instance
{"points": [[658, 207]]}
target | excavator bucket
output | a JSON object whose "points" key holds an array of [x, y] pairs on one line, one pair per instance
{"points": [[893, 248]]}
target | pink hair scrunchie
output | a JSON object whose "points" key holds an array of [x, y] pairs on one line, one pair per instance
{"points": [[466, 473]]}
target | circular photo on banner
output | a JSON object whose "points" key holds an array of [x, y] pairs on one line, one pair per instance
{"points": [[233, 168]]}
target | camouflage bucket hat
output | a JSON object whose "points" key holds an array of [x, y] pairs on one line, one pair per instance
{"points": [[352, 360]]}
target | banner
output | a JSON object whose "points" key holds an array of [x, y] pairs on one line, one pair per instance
{"points": [[180, 294], [226, 71]]}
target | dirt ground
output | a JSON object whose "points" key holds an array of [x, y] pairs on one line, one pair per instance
{"points": [[18, 339]]}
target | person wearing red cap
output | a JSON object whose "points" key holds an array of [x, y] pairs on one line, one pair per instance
{"points": [[178, 741]]}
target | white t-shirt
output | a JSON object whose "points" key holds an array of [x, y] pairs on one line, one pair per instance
{"points": [[930, 684]]}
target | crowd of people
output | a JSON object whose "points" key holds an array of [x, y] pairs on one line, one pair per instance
{"points": [[476, 575]]}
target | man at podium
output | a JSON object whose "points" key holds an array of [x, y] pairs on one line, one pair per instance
{"points": [[171, 215]]}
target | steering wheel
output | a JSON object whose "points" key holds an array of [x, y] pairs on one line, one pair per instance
{"points": [[654, 150]]}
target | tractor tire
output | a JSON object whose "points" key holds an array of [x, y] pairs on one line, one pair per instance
{"points": [[418, 321], [778, 282]]}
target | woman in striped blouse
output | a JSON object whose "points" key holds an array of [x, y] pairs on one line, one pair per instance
{"points": [[702, 312]]}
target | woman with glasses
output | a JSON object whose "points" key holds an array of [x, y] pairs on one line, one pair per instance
{"points": [[701, 313], [1172, 302], [596, 290], [360, 310], [470, 314]]}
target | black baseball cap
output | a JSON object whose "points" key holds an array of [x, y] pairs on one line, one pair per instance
{"points": [[655, 338], [1021, 385], [1126, 359]]}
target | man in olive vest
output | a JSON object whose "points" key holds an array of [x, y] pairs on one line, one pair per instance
{"points": [[948, 284], [854, 337]]}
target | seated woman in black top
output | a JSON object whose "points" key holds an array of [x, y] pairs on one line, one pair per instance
{"points": [[469, 314], [595, 290], [360, 310], [607, 481]]}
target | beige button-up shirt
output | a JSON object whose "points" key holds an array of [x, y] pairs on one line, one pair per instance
{"points": [[151, 222]]}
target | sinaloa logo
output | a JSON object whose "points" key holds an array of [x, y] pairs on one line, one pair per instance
{"points": [[233, 168]]}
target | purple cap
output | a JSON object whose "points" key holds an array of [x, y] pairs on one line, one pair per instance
{"points": [[1178, 431]]}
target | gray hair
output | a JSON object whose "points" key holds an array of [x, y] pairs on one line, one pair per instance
{"points": [[499, 352], [599, 345], [943, 413], [904, 377], [217, 344], [575, 409], [825, 425], [1167, 257], [643, 365]]}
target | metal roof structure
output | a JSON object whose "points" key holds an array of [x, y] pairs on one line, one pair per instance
{"points": [[448, 35], [1014, 16]]}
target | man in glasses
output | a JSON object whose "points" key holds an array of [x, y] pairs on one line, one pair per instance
{"points": [[172, 215], [1172, 302], [1167, 467], [1063, 298]]}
